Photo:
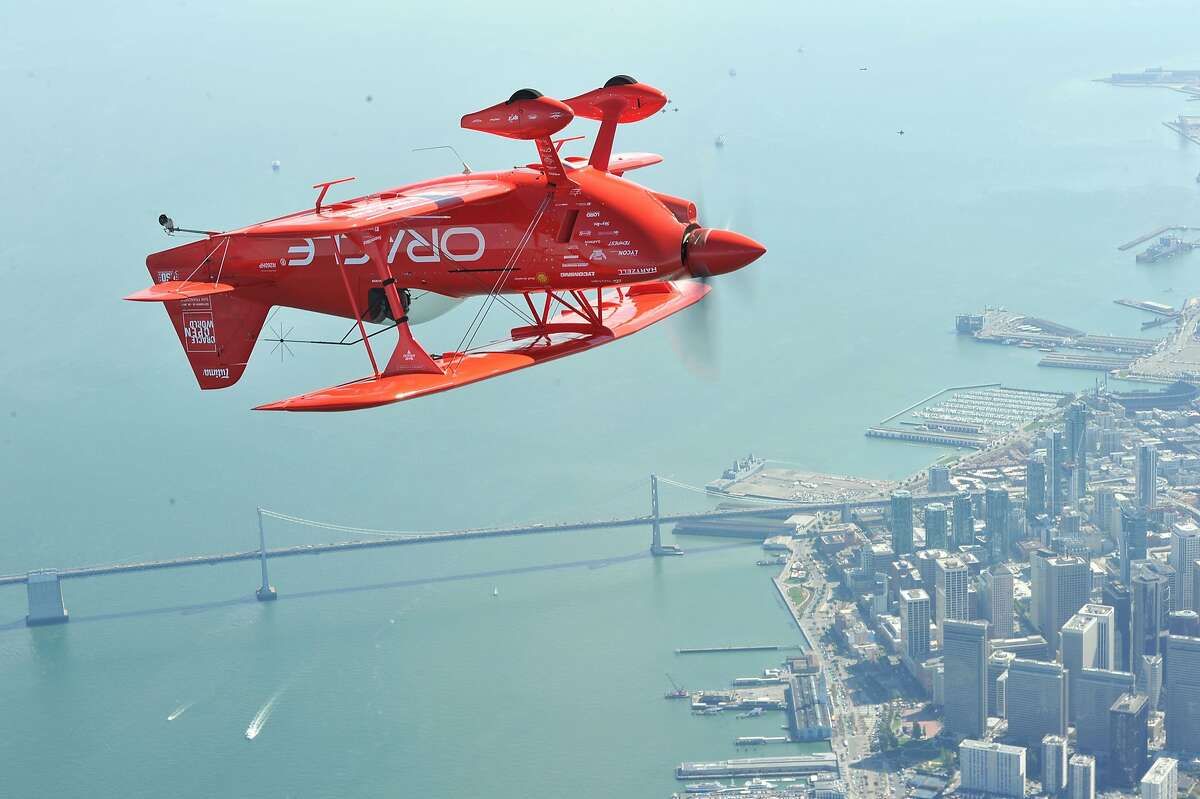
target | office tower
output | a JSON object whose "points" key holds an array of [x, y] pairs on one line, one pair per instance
{"points": [[1078, 650], [964, 520], [1035, 700], [1106, 630], [1035, 488], [914, 622], [965, 658], [1183, 622], [1132, 541], [902, 523], [998, 606], [1196, 583], [1147, 476], [1054, 764], [997, 524], [1076, 440], [950, 581], [939, 479], [1150, 679], [1081, 782], [1062, 585], [1185, 548], [1054, 472], [1116, 596], [1151, 601], [1129, 731], [1110, 441], [1183, 693], [937, 524], [1162, 780], [1097, 690], [1104, 515], [998, 663], [992, 768]]}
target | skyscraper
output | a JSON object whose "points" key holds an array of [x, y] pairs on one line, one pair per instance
{"points": [[1105, 513], [1147, 476], [1183, 693], [1185, 548], [997, 523], [1035, 488], [936, 525], [1116, 596], [1054, 471], [998, 590], [939, 479], [1097, 690], [1150, 680], [902, 523], [950, 581], [1106, 657], [1151, 595], [1078, 650], [998, 663], [1076, 441], [964, 520], [1054, 764], [1132, 540], [995, 769], [1081, 783], [1035, 700], [1129, 721], [1162, 780], [965, 658], [914, 622], [1061, 586]]}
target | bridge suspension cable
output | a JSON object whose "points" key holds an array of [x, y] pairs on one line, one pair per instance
{"points": [[341, 528]]}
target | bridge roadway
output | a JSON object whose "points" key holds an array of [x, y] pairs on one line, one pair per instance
{"points": [[463, 535]]}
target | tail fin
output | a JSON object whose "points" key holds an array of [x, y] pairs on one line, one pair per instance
{"points": [[217, 328]]}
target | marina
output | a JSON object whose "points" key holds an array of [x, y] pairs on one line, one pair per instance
{"points": [[972, 418], [790, 766]]}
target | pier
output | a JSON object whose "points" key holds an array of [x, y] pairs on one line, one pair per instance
{"points": [[702, 650]]}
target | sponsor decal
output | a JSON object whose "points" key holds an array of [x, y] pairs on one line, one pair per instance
{"points": [[542, 279], [597, 255], [199, 333], [468, 241], [627, 252], [577, 274], [267, 266], [638, 270], [166, 277], [221, 373]]}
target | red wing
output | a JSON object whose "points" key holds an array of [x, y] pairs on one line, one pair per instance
{"points": [[380, 209], [636, 308]]}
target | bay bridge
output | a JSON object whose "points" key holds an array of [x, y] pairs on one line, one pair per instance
{"points": [[44, 590]]}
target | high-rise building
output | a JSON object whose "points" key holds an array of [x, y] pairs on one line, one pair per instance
{"points": [[1116, 596], [1081, 782], [1076, 440], [997, 584], [1150, 588], [950, 583], [1054, 764], [937, 525], [1129, 731], [1162, 780], [939, 479], [1110, 442], [1106, 630], [1097, 690], [1150, 678], [965, 658], [995, 769], [1185, 548], [902, 522], [1035, 488], [1062, 585], [1035, 700], [1132, 540], [1078, 650], [1183, 622], [997, 524], [1054, 471], [1105, 514], [914, 622], [1147, 476], [1183, 693], [998, 663], [964, 520]]}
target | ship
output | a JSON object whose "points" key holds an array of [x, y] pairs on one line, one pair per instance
{"points": [[1165, 247], [741, 469]]}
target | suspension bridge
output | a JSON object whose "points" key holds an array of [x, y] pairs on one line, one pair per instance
{"points": [[44, 589]]}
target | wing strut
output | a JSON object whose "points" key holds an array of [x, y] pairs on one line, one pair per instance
{"points": [[408, 357]]}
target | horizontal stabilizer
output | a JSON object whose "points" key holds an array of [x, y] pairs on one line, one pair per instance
{"points": [[178, 290]]}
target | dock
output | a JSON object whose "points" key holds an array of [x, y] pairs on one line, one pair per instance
{"points": [[795, 766], [1129, 245], [1157, 308], [1099, 363], [704, 650]]}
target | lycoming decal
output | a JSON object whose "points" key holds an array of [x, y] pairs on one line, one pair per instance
{"points": [[577, 274]]}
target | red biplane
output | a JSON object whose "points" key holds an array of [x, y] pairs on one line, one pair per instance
{"points": [[592, 256]]}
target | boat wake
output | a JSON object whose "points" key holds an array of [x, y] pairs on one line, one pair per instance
{"points": [[179, 711], [260, 718]]}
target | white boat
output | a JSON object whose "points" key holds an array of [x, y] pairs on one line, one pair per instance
{"points": [[495, 591]]}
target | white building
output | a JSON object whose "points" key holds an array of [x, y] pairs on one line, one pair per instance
{"points": [[1082, 782], [994, 768], [1162, 780]]}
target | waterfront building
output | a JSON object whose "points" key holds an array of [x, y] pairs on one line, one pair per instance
{"points": [[1185, 549], [1081, 781], [1035, 488], [964, 520], [937, 525], [1147, 476], [997, 583], [1062, 585], [1096, 690], [992, 768], [914, 623], [1162, 780], [997, 509], [1054, 764], [1183, 693], [1116, 596], [998, 663], [1035, 700], [1150, 588], [902, 522], [1080, 639], [939, 479], [1129, 737], [965, 659], [950, 582]]}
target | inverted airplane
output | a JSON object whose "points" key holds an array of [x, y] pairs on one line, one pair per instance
{"points": [[593, 256]]}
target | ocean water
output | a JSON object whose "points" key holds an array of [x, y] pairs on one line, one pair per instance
{"points": [[397, 673]]}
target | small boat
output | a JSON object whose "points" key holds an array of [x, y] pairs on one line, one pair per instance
{"points": [[495, 591]]}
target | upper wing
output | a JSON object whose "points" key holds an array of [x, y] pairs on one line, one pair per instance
{"points": [[380, 209]]}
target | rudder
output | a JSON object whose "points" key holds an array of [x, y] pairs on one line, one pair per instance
{"points": [[218, 333]]}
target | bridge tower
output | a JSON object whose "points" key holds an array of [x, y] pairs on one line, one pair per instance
{"points": [[657, 548], [44, 593], [265, 592]]}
